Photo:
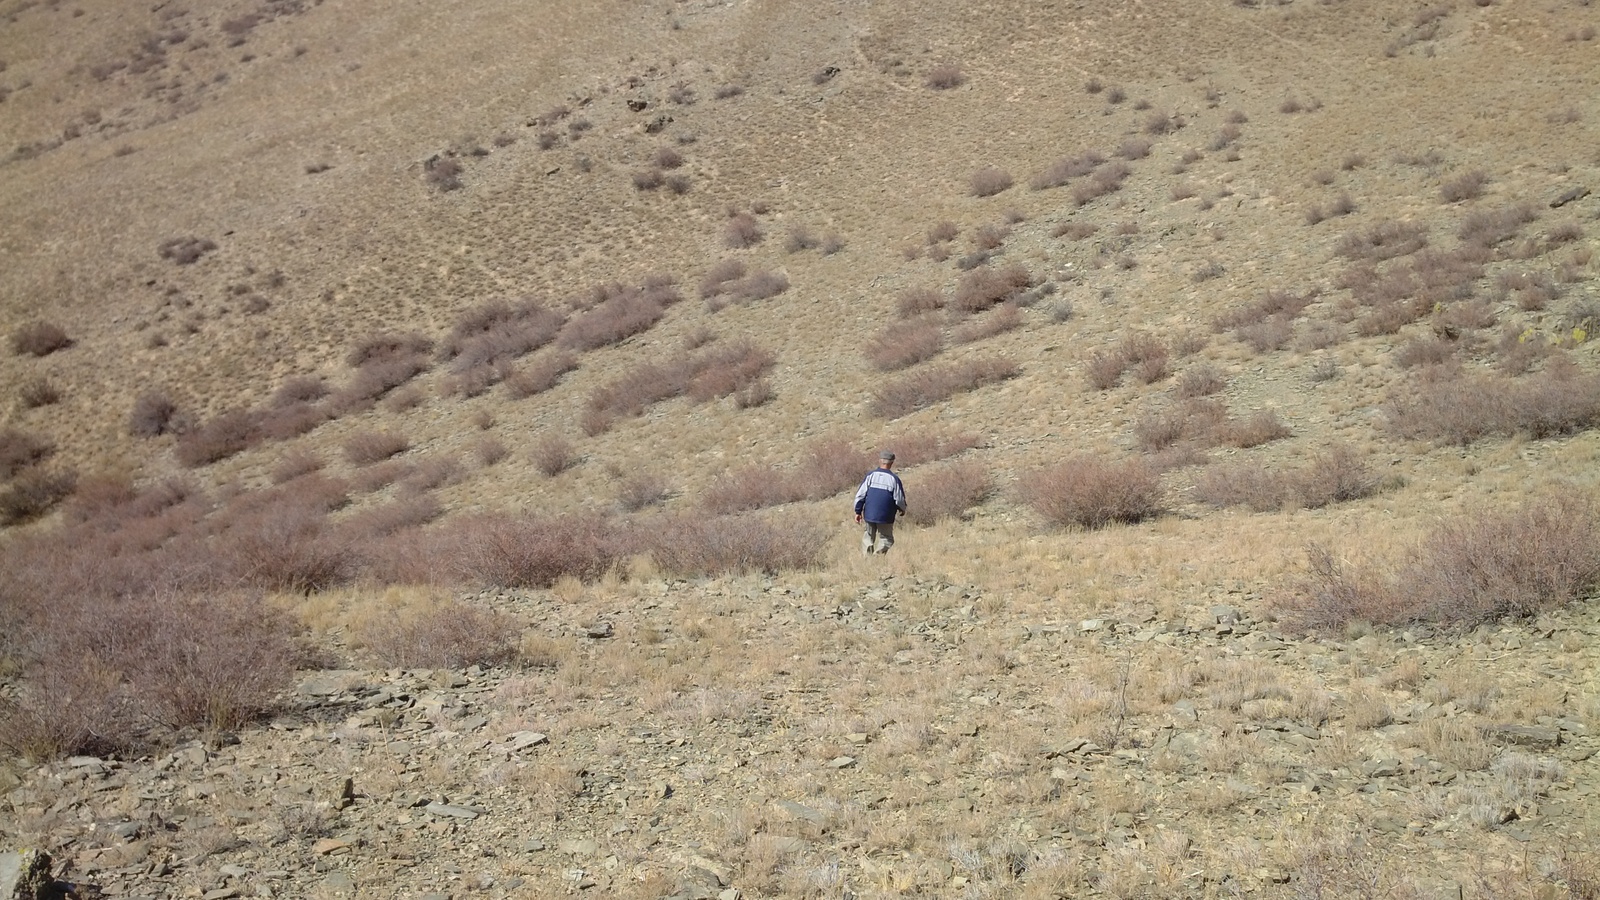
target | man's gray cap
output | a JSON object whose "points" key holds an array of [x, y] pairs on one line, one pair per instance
{"points": [[887, 454]]}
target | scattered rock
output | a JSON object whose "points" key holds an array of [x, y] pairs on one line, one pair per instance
{"points": [[26, 875], [1526, 735], [453, 811]]}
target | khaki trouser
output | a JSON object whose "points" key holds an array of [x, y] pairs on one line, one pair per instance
{"points": [[878, 537]]}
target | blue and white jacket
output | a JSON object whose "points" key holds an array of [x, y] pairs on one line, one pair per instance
{"points": [[880, 497]]}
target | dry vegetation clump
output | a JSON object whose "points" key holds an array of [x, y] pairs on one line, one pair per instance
{"points": [[1106, 179], [185, 250], [531, 551], [1492, 227], [1477, 567], [299, 389], [925, 387], [830, 466], [990, 180], [918, 301], [443, 173], [369, 446], [944, 76], [949, 491], [1446, 405], [39, 339], [1262, 427], [38, 392], [553, 454], [904, 345], [1337, 475], [144, 667], [1141, 353], [34, 493], [446, 635], [1090, 492], [692, 546], [544, 374], [618, 312], [1272, 305], [717, 279], [1195, 422], [641, 490], [20, 450], [1200, 380], [758, 285], [737, 370], [982, 288], [1006, 317], [742, 232], [1385, 240], [1466, 186], [220, 437]]}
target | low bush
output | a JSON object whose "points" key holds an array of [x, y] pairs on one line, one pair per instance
{"points": [[1450, 407], [949, 491], [932, 385], [294, 464], [1336, 475], [1491, 227], [944, 76], [1272, 304], [378, 348], [758, 285], [553, 454], [300, 389], [220, 437], [1200, 380], [982, 288], [1006, 317], [640, 490], [448, 635], [1261, 428], [530, 551], [718, 277], [541, 376], [1466, 186], [904, 345], [37, 392], [34, 493], [1090, 492], [1384, 240], [1477, 567], [988, 181], [39, 339], [1106, 179], [1141, 353], [369, 446], [20, 450], [742, 232], [690, 546], [617, 318], [917, 301], [1191, 421]]}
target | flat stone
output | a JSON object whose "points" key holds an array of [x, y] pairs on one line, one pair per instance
{"points": [[327, 846], [522, 740], [801, 811], [340, 883], [1526, 735], [1091, 624], [220, 894], [452, 810], [579, 847], [842, 762]]}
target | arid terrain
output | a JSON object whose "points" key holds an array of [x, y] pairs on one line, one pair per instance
{"points": [[427, 437]]}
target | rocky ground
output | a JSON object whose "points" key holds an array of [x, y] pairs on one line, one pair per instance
{"points": [[703, 741]]}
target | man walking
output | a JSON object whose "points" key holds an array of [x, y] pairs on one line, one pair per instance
{"points": [[880, 498]]}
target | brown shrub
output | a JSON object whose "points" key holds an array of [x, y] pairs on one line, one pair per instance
{"points": [[1385, 240], [759, 285], [1065, 169], [533, 551], [742, 232], [1134, 148], [916, 301], [433, 473], [723, 370], [1261, 428], [34, 493], [648, 179], [1146, 357], [1266, 336], [20, 450], [717, 279], [982, 288], [1074, 231], [1006, 317], [948, 491], [1424, 352], [185, 250], [490, 450], [1447, 406], [929, 386], [372, 381], [1466, 186], [222, 436], [1200, 380], [37, 392], [988, 181], [640, 490], [553, 454], [900, 346], [1273, 304], [153, 414], [288, 547], [443, 172], [543, 375], [39, 339], [1090, 492], [1107, 179], [369, 446], [690, 546], [618, 317], [1477, 567], [1336, 475], [917, 448], [377, 348], [1242, 483], [300, 389], [942, 232], [944, 76], [450, 635], [294, 464], [1491, 227], [1192, 421]]}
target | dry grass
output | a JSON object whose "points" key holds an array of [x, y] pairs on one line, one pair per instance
{"points": [[1449, 406], [39, 339], [904, 345]]}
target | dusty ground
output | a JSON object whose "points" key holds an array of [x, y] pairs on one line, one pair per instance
{"points": [[698, 750]]}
